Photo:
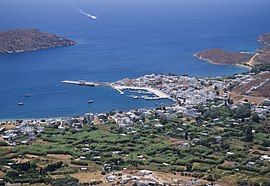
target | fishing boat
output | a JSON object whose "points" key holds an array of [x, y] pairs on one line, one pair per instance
{"points": [[90, 101], [28, 95]]}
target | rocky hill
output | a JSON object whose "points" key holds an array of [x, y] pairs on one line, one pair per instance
{"points": [[257, 86], [21, 40], [263, 54], [264, 39], [219, 56]]}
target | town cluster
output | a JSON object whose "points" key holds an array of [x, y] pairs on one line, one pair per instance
{"points": [[202, 102], [186, 92]]}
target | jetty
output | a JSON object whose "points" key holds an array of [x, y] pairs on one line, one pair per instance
{"points": [[158, 93], [87, 83]]}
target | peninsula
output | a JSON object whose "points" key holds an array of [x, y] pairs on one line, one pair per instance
{"points": [[22, 40], [219, 56]]}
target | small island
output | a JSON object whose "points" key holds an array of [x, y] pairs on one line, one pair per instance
{"points": [[219, 56], [22, 40]]}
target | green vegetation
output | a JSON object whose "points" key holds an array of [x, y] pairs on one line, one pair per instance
{"points": [[261, 67], [221, 143]]}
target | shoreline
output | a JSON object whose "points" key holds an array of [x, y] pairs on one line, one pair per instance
{"points": [[33, 50], [26, 40], [158, 93], [38, 118], [79, 115], [211, 62]]}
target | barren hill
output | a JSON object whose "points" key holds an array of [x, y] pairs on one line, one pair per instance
{"points": [[21, 40]]}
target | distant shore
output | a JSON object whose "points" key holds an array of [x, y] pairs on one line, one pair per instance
{"points": [[214, 63], [243, 59], [23, 40]]}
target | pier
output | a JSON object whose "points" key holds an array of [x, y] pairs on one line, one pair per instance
{"points": [[159, 94], [86, 83]]}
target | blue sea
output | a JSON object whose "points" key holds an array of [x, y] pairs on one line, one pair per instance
{"points": [[129, 38]]}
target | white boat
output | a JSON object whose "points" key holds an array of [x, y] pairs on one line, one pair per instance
{"points": [[28, 95], [81, 82], [90, 101], [20, 104]]}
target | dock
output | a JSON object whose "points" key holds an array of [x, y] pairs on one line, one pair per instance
{"points": [[159, 94], [118, 89], [87, 83]]}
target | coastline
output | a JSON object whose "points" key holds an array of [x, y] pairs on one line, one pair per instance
{"points": [[38, 118], [25, 40], [211, 62], [35, 49]]}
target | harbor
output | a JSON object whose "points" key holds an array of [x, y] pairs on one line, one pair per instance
{"points": [[158, 94]]}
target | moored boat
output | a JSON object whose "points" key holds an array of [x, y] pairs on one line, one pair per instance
{"points": [[90, 101], [28, 95]]}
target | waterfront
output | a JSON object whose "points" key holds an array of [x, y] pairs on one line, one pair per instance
{"points": [[121, 42], [147, 145]]}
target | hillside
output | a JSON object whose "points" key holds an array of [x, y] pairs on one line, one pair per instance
{"points": [[219, 56], [264, 39], [21, 40], [255, 89], [263, 54]]}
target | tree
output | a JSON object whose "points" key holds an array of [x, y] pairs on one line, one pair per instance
{"points": [[249, 135], [266, 182], [163, 119], [255, 117], [189, 167], [207, 114], [243, 111], [68, 180]]}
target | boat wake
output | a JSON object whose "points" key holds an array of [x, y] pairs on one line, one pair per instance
{"points": [[86, 14]]}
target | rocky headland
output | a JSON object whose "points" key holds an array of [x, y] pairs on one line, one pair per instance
{"points": [[219, 56], [22, 40]]}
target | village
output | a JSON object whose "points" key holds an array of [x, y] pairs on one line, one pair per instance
{"points": [[202, 117]]}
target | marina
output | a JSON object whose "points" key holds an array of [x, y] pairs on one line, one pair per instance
{"points": [[159, 94], [120, 88]]}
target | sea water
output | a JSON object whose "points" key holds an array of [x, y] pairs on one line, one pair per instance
{"points": [[123, 38]]}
